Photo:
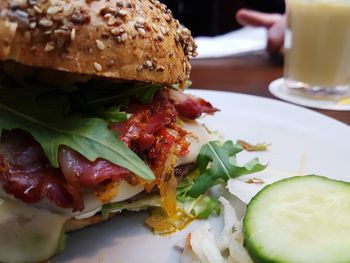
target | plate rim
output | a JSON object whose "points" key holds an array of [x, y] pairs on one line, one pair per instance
{"points": [[272, 100]]}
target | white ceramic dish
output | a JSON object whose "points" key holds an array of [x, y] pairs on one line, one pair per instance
{"points": [[302, 142], [277, 89]]}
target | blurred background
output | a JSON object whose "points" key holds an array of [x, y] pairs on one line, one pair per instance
{"points": [[215, 17]]}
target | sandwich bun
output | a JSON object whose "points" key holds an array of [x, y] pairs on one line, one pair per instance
{"points": [[122, 40], [129, 40]]}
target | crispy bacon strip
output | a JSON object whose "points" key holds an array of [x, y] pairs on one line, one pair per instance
{"points": [[151, 132], [145, 131], [188, 106], [81, 172], [27, 174]]}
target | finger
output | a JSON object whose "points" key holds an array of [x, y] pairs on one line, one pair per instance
{"points": [[255, 18], [276, 36]]}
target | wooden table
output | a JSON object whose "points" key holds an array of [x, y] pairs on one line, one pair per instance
{"points": [[250, 74]]}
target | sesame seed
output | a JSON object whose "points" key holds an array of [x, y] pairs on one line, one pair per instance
{"points": [[141, 21], [49, 47], [160, 37], [52, 10], [100, 45], [167, 17], [154, 26], [97, 67], [115, 31], [141, 31], [32, 25], [46, 22], [112, 20], [163, 30], [124, 37], [37, 9], [122, 12], [72, 34], [149, 63], [118, 39], [107, 16], [139, 68]]}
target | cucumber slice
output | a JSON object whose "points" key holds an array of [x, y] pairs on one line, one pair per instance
{"points": [[303, 219]]}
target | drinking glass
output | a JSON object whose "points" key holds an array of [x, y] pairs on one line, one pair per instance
{"points": [[317, 48]]}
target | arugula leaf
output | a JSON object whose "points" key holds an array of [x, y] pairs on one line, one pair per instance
{"points": [[88, 136], [217, 163], [54, 100], [93, 96], [114, 115], [145, 95]]}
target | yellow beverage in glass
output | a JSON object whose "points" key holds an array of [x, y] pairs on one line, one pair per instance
{"points": [[317, 45]]}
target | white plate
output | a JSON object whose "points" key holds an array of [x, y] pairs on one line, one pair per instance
{"points": [[302, 141], [277, 88]]}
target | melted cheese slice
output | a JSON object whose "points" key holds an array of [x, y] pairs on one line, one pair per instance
{"points": [[28, 234], [198, 136], [93, 205]]}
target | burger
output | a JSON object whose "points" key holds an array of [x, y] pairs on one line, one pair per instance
{"points": [[93, 115]]}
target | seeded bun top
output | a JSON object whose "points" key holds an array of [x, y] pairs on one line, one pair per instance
{"points": [[120, 39]]}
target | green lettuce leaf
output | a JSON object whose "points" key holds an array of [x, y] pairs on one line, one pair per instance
{"points": [[201, 207], [114, 115], [135, 206], [88, 136], [217, 164]]}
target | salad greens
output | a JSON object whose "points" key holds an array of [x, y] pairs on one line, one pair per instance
{"points": [[217, 164], [42, 111], [201, 207], [138, 205], [78, 117]]}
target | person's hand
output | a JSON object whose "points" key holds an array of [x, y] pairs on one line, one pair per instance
{"points": [[275, 23]]}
